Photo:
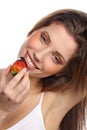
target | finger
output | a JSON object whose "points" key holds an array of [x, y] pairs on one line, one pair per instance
{"points": [[6, 71], [19, 97], [21, 86], [15, 80], [23, 95], [4, 77], [5, 103], [16, 91], [23, 83]]}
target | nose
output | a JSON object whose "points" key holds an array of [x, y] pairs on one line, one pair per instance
{"points": [[40, 55]]}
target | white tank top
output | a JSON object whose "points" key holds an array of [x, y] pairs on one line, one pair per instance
{"points": [[33, 121]]}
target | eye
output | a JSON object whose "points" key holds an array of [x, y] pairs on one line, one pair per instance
{"points": [[56, 59], [43, 37]]}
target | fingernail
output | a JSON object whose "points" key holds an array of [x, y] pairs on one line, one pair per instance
{"points": [[24, 69]]}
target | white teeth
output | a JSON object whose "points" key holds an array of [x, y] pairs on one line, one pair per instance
{"points": [[30, 62]]}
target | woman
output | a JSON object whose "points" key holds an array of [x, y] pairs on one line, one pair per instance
{"points": [[51, 93]]}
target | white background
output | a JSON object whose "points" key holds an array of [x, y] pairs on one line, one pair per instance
{"points": [[18, 16]]}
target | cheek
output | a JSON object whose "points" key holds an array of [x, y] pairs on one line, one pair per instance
{"points": [[51, 68], [33, 39], [33, 43]]}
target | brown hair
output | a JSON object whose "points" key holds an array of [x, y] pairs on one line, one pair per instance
{"points": [[74, 74]]}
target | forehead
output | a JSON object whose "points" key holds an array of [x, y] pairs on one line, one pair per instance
{"points": [[61, 40]]}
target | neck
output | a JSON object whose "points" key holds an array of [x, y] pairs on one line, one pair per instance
{"points": [[35, 85]]}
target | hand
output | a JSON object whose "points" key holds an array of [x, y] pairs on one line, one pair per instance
{"points": [[13, 90]]}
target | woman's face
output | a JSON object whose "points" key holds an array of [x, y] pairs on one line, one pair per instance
{"points": [[48, 50]]}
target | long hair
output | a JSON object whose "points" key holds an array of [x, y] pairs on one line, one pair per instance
{"points": [[75, 73]]}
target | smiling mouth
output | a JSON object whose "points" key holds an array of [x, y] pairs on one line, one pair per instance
{"points": [[30, 63]]}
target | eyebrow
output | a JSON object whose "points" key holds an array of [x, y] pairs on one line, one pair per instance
{"points": [[57, 53]]}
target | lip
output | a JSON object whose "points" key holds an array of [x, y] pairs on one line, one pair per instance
{"points": [[27, 58]]}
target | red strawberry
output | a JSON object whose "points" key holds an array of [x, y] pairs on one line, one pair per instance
{"points": [[18, 65]]}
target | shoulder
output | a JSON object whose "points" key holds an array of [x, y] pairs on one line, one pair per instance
{"points": [[48, 102], [60, 98], [49, 110], [57, 104]]}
